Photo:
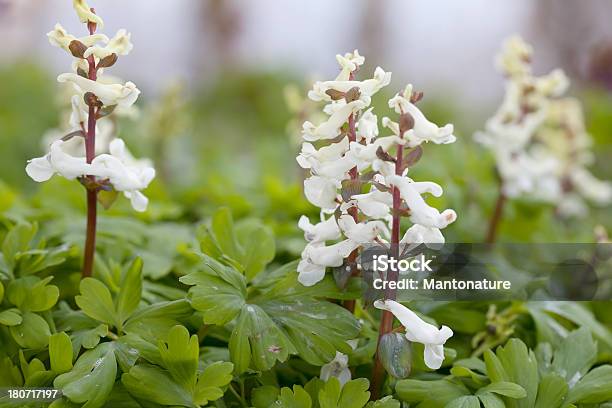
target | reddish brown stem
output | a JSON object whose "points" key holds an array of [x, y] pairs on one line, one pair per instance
{"points": [[496, 217], [92, 194], [386, 322], [352, 135]]}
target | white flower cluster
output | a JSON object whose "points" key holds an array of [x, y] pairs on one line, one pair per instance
{"points": [[355, 209], [533, 132], [114, 165]]}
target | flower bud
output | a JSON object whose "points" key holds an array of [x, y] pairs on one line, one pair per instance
{"points": [[406, 123], [395, 354], [77, 48], [108, 61], [91, 99]]}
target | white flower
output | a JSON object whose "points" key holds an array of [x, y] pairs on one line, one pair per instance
{"points": [[364, 155], [367, 126], [515, 58], [321, 191], [600, 192], [317, 256], [58, 161], [126, 174], [337, 368], [78, 114], [323, 231], [420, 212], [59, 37], [311, 157], [419, 331], [363, 232], [426, 131], [419, 234], [330, 129], [120, 44], [348, 62], [119, 168], [367, 87], [375, 204], [108, 94], [85, 14]]}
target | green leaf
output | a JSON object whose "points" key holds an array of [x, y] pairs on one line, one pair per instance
{"points": [[107, 198], [219, 293], [33, 332], [354, 394], [17, 240], [575, 355], [386, 402], [495, 369], [96, 301], [491, 401], [30, 293], [593, 388], [504, 388], [60, 352], [436, 394], [468, 401], [521, 367], [180, 356], [10, 317], [91, 379], [257, 242], [151, 383], [551, 391], [298, 398], [263, 397], [256, 340], [212, 382], [130, 291]]}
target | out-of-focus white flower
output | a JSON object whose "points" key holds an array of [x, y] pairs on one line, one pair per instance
{"points": [[120, 44], [419, 331], [515, 58], [330, 129], [600, 192], [323, 231], [337, 368], [85, 14], [108, 94], [59, 37]]}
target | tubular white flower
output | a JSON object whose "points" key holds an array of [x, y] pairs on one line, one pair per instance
{"points": [[364, 155], [59, 37], [108, 94], [57, 161], [375, 204], [419, 234], [348, 62], [363, 232], [120, 44], [85, 14], [367, 126], [125, 173], [317, 256], [330, 129], [420, 212], [323, 231], [367, 88], [337, 368], [311, 157], [419, 331], [321, 192]]}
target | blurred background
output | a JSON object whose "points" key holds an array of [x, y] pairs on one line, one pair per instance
{"points": [[220, 110]]}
